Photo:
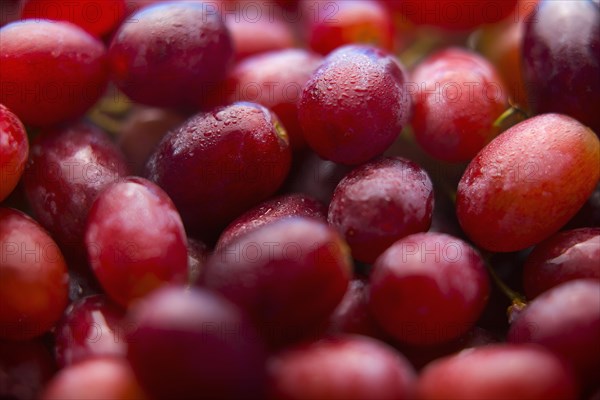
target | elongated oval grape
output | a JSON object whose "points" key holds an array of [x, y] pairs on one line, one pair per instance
{"points": [[355, 105], [561, 59], [528, 182], [135, 240], [220, 163], [52, 71]]}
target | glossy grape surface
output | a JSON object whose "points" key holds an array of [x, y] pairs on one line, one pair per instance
{"points": [[135, 240], [14, 150], [67, 169], [355, 104], [459, 96], [169, 55], [52, 71], [528, 182], [566, 256], [34, 282], [561, 60], [379, 203], [428, 288], [220, 163]]}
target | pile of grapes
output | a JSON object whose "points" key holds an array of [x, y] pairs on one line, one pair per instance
{"points": [[279, 199]]}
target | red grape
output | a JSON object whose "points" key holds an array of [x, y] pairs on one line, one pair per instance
{"points": [[190, 343], [355, 105], [14, 150], [96, 17], [428, 288], [275, 80], [168, 55], [220, 163], [135, 240], [561, 60], [52, 71], [344, 367], [528, 182], [289, 275], [91, 326], [563, 257], [67, 169], [458, 99], [34, 282], [498, 372], [331, 24], [379, 203], [96, 378], [566, 320], [272, 210]]}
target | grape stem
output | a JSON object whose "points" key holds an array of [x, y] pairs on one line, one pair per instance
{"points": [[510, 117], [518, 300]]}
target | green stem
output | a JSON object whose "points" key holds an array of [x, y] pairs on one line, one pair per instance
{"points": [[510, 117], [518, 300]]}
